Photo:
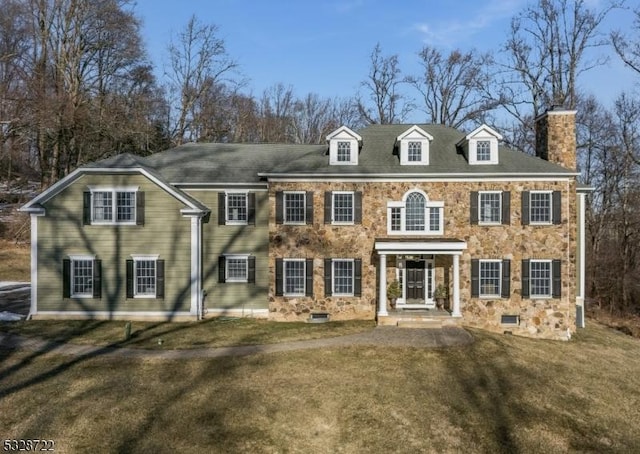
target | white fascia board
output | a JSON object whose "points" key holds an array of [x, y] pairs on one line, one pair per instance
{"points": [[415, 129], [344, 132], [381, 177], [422, 247], [483, 128]]}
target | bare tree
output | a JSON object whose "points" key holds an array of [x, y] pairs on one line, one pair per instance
{"points": [[385, 104], [455, 88], [276, 113], [627, 48], [198, 63]]}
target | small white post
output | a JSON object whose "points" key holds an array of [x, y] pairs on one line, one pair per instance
{"points": [[382, 304], [456, 286]]}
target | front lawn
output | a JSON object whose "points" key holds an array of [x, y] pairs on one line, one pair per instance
{"points": [[499, 394]]}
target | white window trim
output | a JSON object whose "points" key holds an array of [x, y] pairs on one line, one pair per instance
{"points": [[536, 296], [227, 221], [284, 278], [284, 208], [228, 257], [144, 257], [333, 275], [473, 150], [550, 221], [75, 258], [428, 206], [414, 134], [490, 296], [114, 199], [343, 134], [333, 208], [499, 221]]}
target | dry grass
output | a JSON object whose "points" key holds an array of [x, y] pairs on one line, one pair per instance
{"points": [[500, 394], [14, 261], [213, 332]]}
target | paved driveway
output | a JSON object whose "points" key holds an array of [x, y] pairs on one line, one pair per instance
{"points": [[14, 297]]}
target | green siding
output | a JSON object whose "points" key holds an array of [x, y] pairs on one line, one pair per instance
{"points": [[165, 232], [235, 239]]}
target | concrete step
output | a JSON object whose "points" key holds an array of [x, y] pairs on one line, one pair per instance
{"points": [[424, 323]]}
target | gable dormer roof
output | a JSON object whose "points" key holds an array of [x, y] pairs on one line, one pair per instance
{"points": [[480, 146], [344, 146], [483, 130], [414, 131]]}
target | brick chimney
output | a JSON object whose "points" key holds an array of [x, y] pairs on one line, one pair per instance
{"points": [[556, 137]]}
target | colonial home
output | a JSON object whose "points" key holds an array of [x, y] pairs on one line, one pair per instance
{"points": [[303, 232]]}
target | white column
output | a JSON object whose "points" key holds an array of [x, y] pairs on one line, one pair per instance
{"points": [[581, 245], [382, 303], [33, 309], [456, 286], [195, 266]]}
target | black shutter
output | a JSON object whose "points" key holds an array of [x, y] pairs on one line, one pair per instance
{"points": [[309, 207], [525, 207], [475, 278], [357, 277], [357, 202], [251, 208], [506, 207], [308, 269], [222, 209], [327, 277], [251, 276], [221, 269], [473, 217], [279, 277], [556, 205], [525, 278], [327, 207], [66, 278], [506, 279], [279, 209], [86, 208], [160, 278], [139, 208], [556, 287], [97, 278], [129, 278]]}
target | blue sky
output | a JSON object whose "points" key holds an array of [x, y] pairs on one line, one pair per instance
{"points": [[324, 46]]}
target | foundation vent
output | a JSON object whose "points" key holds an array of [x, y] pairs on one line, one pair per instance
{"points": [[513, 320], [319, 317]]}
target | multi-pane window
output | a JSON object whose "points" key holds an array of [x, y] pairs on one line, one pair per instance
{"points": [[236, 207], [113, 206], [103, 206], [490, 272], [540, 207], [344, 151], [294, 207], [415, 215], [540, 278], [145, 277], [414, 152], [396, 219], [483, 150], [236, 269], [82, 277], [342, 207], [342, 277], [415, 212], [489, 207], [294, 277]]}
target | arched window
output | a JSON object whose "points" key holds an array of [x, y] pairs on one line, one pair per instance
{"points": [[415, 215], [415, 212]]}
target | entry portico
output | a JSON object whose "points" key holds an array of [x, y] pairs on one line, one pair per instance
{"points": [[406, 251]]}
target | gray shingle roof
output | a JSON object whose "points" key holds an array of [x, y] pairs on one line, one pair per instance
{"points": [[246, 163]]}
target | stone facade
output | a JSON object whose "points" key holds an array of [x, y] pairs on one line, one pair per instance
{"points": [[548, 318], [556, 137]]}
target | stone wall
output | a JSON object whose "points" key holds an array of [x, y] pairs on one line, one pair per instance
{"points": [[549, 318], [556, 137]]}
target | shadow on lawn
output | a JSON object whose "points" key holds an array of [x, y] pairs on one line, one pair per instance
{"points": [[48, 370]]}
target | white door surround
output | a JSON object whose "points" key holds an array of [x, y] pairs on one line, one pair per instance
{"points": [[384, 247]]}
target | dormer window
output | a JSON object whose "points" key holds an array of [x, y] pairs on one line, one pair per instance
{"points": [[344, 152], [481, 146], [413, 146], [343, 147]]}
